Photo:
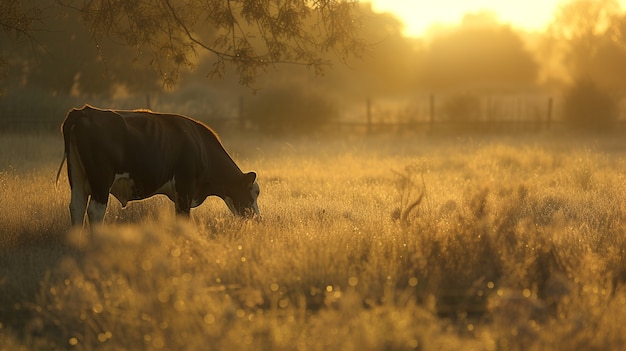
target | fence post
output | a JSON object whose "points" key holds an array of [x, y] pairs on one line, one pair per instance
{"points": [[368, 114], [549, 114], [432, 109]]}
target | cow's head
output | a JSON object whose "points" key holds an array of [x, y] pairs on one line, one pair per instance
{"points": [[241, 196]]}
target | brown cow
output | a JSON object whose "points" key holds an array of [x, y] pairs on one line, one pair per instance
{"points": [[137, 154]]}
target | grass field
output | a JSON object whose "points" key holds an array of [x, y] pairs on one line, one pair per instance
{"points": [[378, 243]]}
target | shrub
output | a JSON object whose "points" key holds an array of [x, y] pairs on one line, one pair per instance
{"points": [[291, 109], [461, 108], [588, 107]]}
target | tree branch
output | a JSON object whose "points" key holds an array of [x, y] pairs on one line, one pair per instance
{"points": [[190, 36], [168, 30]]}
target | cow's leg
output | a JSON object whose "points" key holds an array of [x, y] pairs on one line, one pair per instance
{"points": [[97, 207], [78, 206], [183, 197], [79, 187], [96, 211], [183, 205], [183, 194]]}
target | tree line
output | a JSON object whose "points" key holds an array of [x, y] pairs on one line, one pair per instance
{"points": [[333, 50]]}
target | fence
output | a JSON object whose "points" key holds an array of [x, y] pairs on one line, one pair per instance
{"points": [[465, 113], [426, 113]]}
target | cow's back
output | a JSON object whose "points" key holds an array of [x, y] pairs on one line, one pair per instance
{"points": [[175, 137]]}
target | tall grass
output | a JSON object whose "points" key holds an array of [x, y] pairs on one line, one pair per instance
{"points": [[365, 244]]}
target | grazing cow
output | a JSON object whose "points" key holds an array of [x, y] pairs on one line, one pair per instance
{"points": [[137, 154]]}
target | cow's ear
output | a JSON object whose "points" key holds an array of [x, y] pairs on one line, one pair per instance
{"points": [[249, 178]]}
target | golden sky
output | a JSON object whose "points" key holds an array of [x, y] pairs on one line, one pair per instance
{"points": [[420, 15]]}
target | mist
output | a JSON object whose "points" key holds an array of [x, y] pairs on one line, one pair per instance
{"points": [[480, 70]]}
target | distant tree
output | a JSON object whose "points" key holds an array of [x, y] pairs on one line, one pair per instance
{"points": [[589, 38], [291, 109], [249, 35], [579, 24], [388, 64], [480, 52]]}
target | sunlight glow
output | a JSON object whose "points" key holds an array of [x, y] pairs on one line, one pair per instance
{"points": [[420, 15]]}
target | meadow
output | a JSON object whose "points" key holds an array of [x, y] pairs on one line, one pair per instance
{"points": [[388, 242]]}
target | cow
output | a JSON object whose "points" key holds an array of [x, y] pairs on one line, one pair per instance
{"points": [[135, 154]]}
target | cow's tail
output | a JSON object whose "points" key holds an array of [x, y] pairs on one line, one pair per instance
{"points": [[66, 130], [56, 182]]}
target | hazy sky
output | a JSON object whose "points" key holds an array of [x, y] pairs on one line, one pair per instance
{"points": [[419, 15]]}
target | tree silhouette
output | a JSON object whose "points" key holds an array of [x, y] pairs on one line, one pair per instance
{"points": [[389, 62], [589, 37], [386, 65], [126, 37], [479, 53], [16, 22], [61, 58], [250, 35]]}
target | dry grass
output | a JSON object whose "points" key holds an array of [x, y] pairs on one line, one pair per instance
{"points": [[384, 243]]}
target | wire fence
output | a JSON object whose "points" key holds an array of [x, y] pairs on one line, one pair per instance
{"points": [[426, 113]]}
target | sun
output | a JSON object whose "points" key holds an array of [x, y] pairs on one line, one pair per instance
{"points": [[420, 15]]}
